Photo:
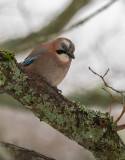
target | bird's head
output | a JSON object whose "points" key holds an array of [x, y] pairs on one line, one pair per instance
{"points": [[64, 49]]}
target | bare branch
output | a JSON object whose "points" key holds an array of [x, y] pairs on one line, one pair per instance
{"points": [[54, 28], [123, 111], [120, 127], [90, 16], [112, 96], [118, 91], [50, 31], [106, 72]]}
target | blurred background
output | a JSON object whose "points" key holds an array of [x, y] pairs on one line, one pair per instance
{"points": [[99, 43]]}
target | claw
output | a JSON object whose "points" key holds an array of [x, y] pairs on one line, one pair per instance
{"points": [[59, 91]]}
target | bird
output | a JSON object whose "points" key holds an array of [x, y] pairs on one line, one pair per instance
{"points": [[51, 60]]}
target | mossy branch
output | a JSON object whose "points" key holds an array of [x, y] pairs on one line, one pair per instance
{"points": [[93, 130]]}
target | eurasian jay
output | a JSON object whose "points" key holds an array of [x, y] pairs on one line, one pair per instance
{"points": [[51, 60]]}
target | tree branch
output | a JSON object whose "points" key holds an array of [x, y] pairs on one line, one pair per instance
{"points": [[116, 90], [93, 130], [20, 153], [90, 16], [48, 32], [120, 127], [54, 28]]}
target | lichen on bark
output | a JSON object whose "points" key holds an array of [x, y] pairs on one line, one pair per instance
{"points": [[93, 130]]}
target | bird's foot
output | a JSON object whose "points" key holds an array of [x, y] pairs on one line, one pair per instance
{"points": [[58, 90]]}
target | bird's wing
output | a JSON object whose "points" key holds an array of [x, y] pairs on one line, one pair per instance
{"points": [[36, 53], [30, 60]]}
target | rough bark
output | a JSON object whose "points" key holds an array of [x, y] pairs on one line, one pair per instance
{"points": [[19, 153], [48, 32], [93, 130]]}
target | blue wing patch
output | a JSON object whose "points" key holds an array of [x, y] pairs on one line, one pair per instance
{"points": [[28, 61]]}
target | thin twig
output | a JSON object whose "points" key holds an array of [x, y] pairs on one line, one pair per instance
{"points": [[120, 127], [102, 77], [112, 96], [95, 72], [123, 111], [118, 91], [90, 16], [106, 72], [123, 100]]}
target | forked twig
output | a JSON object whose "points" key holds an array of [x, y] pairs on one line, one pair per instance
{"points": [[102, 77], [106, 72], [118, 91]]}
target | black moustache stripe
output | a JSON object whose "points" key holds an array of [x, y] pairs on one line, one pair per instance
{"points": [[61, 51]]}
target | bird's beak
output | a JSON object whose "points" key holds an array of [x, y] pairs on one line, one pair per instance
{"points": [[71, 55]]}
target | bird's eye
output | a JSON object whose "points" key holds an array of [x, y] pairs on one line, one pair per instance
{"points": [[63, 45]]}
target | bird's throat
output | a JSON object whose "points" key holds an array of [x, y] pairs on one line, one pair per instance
{"points": [[63, 57]]}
